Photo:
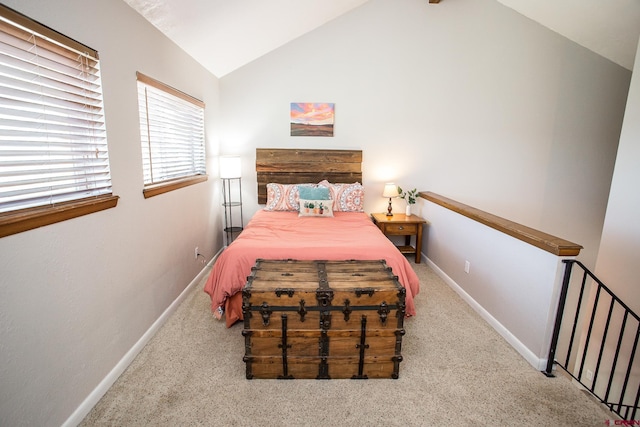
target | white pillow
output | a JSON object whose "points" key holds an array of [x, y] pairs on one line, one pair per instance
{"points": [[321, 208]]}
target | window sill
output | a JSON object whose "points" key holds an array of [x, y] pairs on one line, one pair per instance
{"points": [[165, 187], [29, 219]]}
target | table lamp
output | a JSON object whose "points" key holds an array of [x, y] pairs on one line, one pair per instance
{"points": [[390, 190]]}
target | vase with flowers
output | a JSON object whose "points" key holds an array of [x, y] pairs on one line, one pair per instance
{"points": [[409, 197]]}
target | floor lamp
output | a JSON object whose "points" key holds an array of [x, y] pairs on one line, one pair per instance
{"points": [[230, 173]]}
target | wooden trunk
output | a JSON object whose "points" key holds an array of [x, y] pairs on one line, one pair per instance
{"points": [[323, 319]]}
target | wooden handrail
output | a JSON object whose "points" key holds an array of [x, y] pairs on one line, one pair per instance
{"points": [[544, 241]]}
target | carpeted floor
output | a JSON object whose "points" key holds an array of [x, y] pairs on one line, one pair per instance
{"points": [[456, 371]]}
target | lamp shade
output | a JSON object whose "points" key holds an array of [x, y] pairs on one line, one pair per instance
{"points": [[230, 167], [390, 190]]}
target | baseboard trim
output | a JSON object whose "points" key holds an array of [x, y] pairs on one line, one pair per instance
{"points": [[528, 355], [94, 397]]}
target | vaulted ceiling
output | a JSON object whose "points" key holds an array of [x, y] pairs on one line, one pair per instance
{"points": [[610, 28], [224, 35]]}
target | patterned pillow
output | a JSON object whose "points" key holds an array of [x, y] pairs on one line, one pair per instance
{"points": [[346, 197], [282, 197], [320, 208]]}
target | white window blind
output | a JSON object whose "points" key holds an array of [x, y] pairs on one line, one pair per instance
{"points": [[172, 132], [53, 144]]}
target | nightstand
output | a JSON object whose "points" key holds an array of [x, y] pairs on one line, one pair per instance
{"points": [[402, 225]]}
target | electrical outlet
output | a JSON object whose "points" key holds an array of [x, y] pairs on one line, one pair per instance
{"points": [[197, 252], [467, 266], [589, 375]]}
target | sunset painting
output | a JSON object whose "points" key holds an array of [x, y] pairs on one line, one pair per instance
{"points": [[311, 119]]}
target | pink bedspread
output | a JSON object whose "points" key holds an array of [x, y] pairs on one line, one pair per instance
{"points": [[284, 235]]}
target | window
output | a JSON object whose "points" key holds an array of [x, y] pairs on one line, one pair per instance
{"points": [[172, 137], [54, 163]]}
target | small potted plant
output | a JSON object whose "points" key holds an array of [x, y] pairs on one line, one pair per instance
{"points": [[409, 197]]}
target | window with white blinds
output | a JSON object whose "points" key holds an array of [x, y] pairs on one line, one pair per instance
{"points": [[172, 133], [53, 143]]}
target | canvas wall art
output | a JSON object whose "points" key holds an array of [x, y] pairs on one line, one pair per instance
{"points": [[312, 119]]}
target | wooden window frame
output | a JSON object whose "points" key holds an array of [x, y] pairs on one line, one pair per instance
{"points": [[155, 189], [20, 220]]}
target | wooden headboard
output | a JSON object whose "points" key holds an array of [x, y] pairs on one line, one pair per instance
{"points": [[299, 166]]}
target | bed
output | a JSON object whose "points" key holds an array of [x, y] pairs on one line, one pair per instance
{"points": [[280, 232]]}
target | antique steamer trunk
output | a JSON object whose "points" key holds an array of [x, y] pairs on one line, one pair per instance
{"points": [[323, 319]]}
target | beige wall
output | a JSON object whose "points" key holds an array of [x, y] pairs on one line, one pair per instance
{"points": [[76, 296]]}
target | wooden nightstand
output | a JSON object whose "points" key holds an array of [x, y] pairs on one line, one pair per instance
{"points": [[402, 225]]}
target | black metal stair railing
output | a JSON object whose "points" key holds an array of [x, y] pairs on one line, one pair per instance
{"points": [[595, 341]]}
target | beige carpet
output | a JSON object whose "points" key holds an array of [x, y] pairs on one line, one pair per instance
{"points": [[456, 371]]}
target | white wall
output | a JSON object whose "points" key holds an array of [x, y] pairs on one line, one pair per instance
{"points": [[618, 263], [77, 295], [513, 285], [465, 98]]}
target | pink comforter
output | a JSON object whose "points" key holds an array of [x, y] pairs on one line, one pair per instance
{"points": [[284, 235]]}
